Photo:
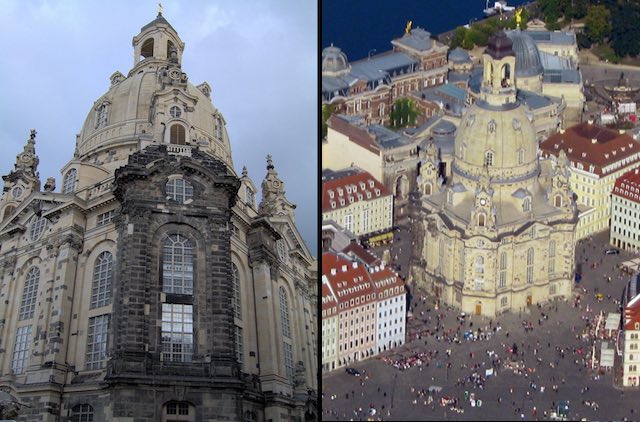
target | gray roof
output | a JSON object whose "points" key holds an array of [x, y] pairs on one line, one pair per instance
{"points": [[377, 67], [552, 37], [387, 138], [452, 97], [551, 61], [521, 193], [527, 54], [566, 76], [418, 39], [444, 135], [334, 60], [157, 20], [458, 187], [533, 100], [459, 55], [458, 76]]}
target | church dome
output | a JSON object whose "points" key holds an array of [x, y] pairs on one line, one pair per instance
{"points": [[459, 55], [155, 103], [501, 138], [334, 60], [499, 46], [527, 55]]}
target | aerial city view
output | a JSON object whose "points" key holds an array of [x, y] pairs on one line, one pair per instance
{"points": [[480, 211]]}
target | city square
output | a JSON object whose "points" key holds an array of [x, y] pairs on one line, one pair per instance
{"points": [[551, 352]]}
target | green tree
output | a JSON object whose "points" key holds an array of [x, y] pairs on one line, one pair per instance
{"points": [[550, 11], [458, 37], [403, 113], [327, 111], [625, 34], [597, 23]]}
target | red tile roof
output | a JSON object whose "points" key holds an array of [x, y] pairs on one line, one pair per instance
{"points": [[344, 191], [578, 142], [348, 279], [628, 186], [632, 313], [385, 279], [361, 253], [355, 134]]}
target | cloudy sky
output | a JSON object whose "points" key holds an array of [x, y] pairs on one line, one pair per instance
{"points": [[258, 56]]}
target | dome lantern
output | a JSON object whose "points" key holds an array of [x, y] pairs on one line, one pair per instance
{"points": [[157, 40], [499, 61]]}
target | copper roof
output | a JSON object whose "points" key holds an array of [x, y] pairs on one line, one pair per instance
{"points": [[628, 186], [591, 145], [344, 191]]}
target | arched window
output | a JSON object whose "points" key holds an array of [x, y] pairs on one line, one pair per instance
{"points": [[36, 227], [177, 265], [28, 303], [69, 182], [178, 411], [503, 270], [284, 313], [520, 156], [480, 267], [552, 256], [177, 135], [169, 47], [506, 71], [427, 189], [102, 276], [179, 190], [235, 277], [147, 49], [82, 413], [526, 204], [488, 159], [558, 201], [481, 219], [530, 265]]}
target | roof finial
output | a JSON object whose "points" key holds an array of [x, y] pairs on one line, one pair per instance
{"points": [[33, 134], [244, 171], [159, 9], [269, 162]]}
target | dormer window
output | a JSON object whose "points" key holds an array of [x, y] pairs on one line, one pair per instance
{"points": [[340, 191], [348, 189], [370, 183], [331, 194]]}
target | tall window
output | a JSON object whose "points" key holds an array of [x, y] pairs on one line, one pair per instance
{"points": [[558, 201], [520, 156], [441, 256], [526, 204], [503, 270], [288, 360], [177, 332], [36, 227], [348, 222], [239, 345], [69, 182], [365, 220], [28, 303], [177, 265], [461, 265], [177, 135], [284, 313], [179, 190], [552, 257], [97, 342], [8, 211], [102, 276], [251, 197], [488, 159], [481, 220], [82, 413], [219, 124], [21, 350], [235, 277], [530, 265], [101, 117], [480, 267]]}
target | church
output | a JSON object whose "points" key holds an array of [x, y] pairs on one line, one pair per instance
{"points": [[498, 234], [152, 285]]}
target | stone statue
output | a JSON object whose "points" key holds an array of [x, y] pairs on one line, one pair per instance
{"points": [[298, 379]]}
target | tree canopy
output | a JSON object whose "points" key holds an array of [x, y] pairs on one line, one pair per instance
{"points": [[403, 113], [598, 23]]}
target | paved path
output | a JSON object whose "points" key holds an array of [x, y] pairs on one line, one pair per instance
{"points": [[396, 394]]}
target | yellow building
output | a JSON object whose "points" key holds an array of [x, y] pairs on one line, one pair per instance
{"points": [[598, 156], [329, 327], [357, 201]]}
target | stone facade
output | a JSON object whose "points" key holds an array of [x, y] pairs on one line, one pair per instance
{"points": [[153, 287]]}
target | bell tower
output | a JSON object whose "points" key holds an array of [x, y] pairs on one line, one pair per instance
{"points": [[499, 61], [157, 40]]}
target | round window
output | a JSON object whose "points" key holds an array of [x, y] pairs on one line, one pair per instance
{"points": [[175, 111], [16, 192]]}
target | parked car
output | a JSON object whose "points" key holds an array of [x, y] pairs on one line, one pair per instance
{"points": [[612, 251], [352, 371]]}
